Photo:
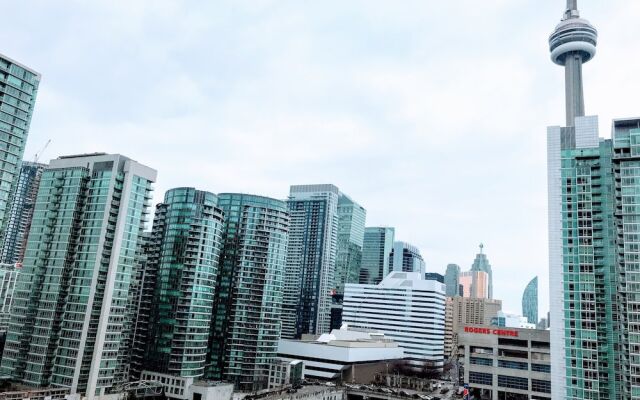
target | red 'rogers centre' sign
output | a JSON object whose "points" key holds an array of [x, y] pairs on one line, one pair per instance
{"points": [[491, 331]]}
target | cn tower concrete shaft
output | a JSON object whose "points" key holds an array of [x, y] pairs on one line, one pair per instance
{"points": [[572, 44]]}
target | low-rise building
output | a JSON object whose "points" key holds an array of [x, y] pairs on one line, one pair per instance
{"points": [[189, 388], [500, 363], [330, 356], [507, 320], [283, 372]]}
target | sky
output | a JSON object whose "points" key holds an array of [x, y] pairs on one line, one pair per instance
{"points": [[431, 114]]}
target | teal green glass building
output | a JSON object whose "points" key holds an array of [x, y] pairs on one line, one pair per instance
{"points": [[351, 221], [187, 233], [530, 301], [376, 249], [18, 91], [246, 323], [68, 326]]}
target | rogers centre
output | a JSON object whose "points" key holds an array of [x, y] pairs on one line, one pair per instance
{"points": [[491, 331]]}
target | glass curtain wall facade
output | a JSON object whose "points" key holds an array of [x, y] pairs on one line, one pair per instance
{"points": [[23, 200], [406, 257], [18, 91], [452, 280], [481, 263], [248, 305], [8, 277], [311, 259], [70, 305], [188, 230], [530, 301], [351, 220], [377, 246]]}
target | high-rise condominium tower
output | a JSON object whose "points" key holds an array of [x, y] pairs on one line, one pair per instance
{"points": [[378, 243], [18, 218], [594, 266], [311, 259], [8, 277], [481, 263], [187, 231], [70, 306], [406, 257], [452, 280], [351, 218], [248, 303], [18, 90], [530, 301]]}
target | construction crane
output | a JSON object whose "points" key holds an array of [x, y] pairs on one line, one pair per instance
{"points": [[38, 154]]}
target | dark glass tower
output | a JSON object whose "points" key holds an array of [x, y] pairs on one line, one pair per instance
{"points": [[246, 325], [187, 231]]}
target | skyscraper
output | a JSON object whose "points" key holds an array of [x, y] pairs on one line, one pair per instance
{"points": [[481, 263], [475, 284], [8, 277], [351, 219], [246, 325], [593, 237], [406, 257], [18, 219], [530, 301], [407, 309], [18, 90], [187, 230], [70, 302], [452, 280], [311, 259], [378, 243]]}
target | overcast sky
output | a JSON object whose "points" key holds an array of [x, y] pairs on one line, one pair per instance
{"points": [[431, 114]]}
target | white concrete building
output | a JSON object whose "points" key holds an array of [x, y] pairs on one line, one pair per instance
{"points": [[407, 309], [327, 356], [511, 321]]}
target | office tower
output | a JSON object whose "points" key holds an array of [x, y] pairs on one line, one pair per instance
{"points": [[18, 90], [311, 259], [481, 263], [475, 284], [467, 311], [246, 325], [407, 309], [406, 257], [18, 218], [434, 276], [351, 218], [188, 230], [530, 301], [378, 243], [71, 298], [452, 280]]}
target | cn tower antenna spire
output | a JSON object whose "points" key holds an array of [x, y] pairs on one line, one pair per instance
{"points": [[572, 44]]}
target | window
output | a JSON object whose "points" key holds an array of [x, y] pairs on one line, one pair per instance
{"points": [[540, 386], [541, 368], [481, 361], [513, 364], [480, 378], [513, 382], [512, 342]]}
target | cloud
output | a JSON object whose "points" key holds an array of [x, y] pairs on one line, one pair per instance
{"points": [[431, 114]]}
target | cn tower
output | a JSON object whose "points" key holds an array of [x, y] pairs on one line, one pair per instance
{"points": [[572, 44]]}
